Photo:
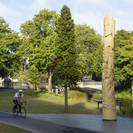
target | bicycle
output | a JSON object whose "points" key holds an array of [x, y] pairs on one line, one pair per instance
{"points": [[16, 112]]}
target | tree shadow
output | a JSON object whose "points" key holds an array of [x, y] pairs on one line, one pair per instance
{"points": [[39, 106], [81, 109]]}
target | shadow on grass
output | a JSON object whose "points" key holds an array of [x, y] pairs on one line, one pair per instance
{"points": [[39, 106], [42, 102], [79, 108]]}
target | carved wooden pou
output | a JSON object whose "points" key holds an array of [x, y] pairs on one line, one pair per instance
{"points": [[109, 104]]}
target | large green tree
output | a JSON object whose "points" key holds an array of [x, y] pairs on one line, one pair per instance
{"points": [[66, 68], [123, 56], [10, 58], [89, 49], [39, 41]]}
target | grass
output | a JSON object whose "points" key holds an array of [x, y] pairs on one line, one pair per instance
{"points": [[43, 102], [11, 129]]}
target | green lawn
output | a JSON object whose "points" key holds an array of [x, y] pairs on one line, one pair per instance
{"points": [[10, 129], [43, 102]]}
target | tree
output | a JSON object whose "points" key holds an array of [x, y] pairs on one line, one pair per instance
{"points": [[97, 64], [66, 68], [123, 56], [87, 44], [34, 76], [22, 76], [39, 41], [10, 58]]}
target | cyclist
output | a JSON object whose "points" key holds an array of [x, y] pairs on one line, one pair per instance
{"points": [[16, 99]]}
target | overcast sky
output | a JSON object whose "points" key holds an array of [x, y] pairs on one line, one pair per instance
{"points": [[90, 12]]}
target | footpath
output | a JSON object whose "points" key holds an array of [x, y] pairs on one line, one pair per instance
{"points": [[90, 122], [40, 126], [68, 123]]}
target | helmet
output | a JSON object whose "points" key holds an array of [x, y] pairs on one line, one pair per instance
{"points": [[20, 90]]}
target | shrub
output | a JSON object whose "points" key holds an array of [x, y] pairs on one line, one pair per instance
{"points": [[77, 95], [128, 111], [97, 96], [125, 94], [126, 102]]}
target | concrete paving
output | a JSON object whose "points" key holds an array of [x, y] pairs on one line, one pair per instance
{"points": [[90, 122], [40, 126], [68, 123]]}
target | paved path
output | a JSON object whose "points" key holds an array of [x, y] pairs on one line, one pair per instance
{"points": [[40, 126], [68, 123], [90, 122]]}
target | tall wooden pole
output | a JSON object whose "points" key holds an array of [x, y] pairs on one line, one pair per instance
{"points": [[109, 104]]}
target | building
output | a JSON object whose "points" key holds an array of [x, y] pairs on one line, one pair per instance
{"points": [[7, 82]]}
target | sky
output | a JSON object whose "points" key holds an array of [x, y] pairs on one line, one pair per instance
{"points": [[89, 12]]}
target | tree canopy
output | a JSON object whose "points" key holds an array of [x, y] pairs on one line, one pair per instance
{"points": [[66, 67], [89, 47], [123, 55], [39, 40], [54, 44], [10, 59]]}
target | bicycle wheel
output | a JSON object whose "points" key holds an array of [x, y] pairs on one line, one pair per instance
{"points": [[23, 112], [15, 112]]}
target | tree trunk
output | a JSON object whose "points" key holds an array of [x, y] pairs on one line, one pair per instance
{"points": [[35, 87], [66, 100], [132, 90], [50, 80], [132, 86]]}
